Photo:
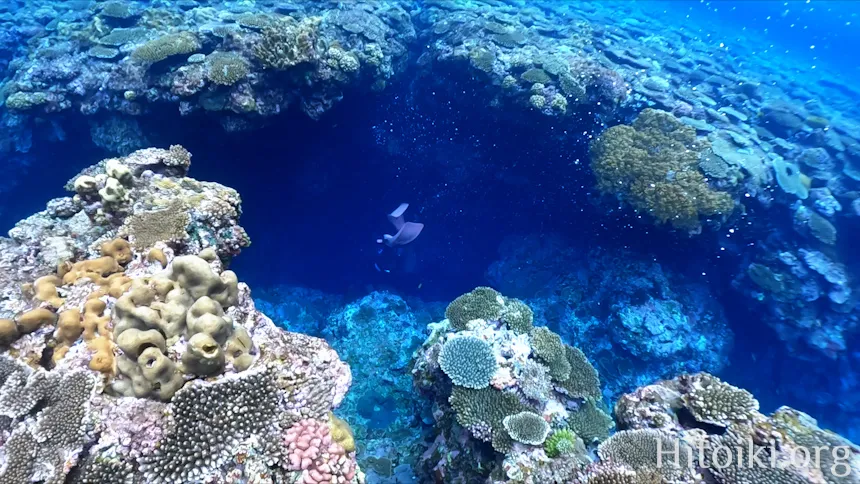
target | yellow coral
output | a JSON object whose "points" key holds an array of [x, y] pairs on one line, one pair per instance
{"points": [[35, 319], [653, 164], [8, 331], [46, 290], [119, 249], [341, 432]]}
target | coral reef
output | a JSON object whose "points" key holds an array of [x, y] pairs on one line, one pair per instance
{"points": [[121, 366], [500, 430], [653, 164], [639, 320]]}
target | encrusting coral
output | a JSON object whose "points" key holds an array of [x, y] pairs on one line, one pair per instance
{"points": [[127, 363], [653, 165]]}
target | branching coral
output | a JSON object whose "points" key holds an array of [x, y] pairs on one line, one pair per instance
{"points": [[289, 43], [482, 303], [716, 402], [641, 450], [483, 412], [167, 46], [549, 348], [653, 164], [226, 68], [518, 316], [468, 361], [583, 382], [534, 381], [526, 427], [590, 422]]}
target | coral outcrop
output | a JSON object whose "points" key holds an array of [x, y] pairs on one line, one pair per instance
{"points": [[124, 365], [541, 398]]}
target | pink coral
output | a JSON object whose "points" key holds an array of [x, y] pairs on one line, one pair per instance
{"points": [[312, 451]]}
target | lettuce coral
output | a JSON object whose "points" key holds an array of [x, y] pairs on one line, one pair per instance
{"points": [[653, 165]]}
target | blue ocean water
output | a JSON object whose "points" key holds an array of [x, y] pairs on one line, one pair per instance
{"points": [[506, 183]]}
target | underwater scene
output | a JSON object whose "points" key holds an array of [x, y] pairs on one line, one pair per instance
{"points": [[429, 241]]}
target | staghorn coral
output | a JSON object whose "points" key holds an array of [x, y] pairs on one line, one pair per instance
{"points": [[468, 361], [653, 165]]}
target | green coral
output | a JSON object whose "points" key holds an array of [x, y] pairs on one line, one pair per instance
{"points": [[468, 361], [288, 43], [166, 46], [653, 165], [640, 451], [482, 303], [583, 382], [526, 427], [120, 36], [117, 9], [821, 228], [483, 59], [549, 348], [483, 412], [510, 39], [766, 278], [22, 101], [535, 75], [590, 422], [561, 442], [518, 316], [226, 68], [715, 402]]}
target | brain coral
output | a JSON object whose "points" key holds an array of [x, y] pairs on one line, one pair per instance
{"points": [[653, 165], [468, 361]]}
